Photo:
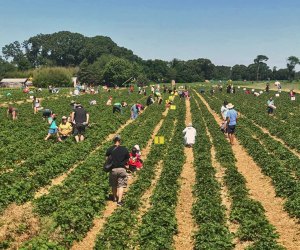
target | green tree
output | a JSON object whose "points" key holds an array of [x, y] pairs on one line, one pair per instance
{"points": [[239, 72], [119, 70], [5, 68], [222, 72], [14, 53], [55, 76], [257, 61], [292, 61]]}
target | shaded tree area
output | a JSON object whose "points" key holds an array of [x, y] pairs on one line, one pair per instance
{"points": [[99, 60]]}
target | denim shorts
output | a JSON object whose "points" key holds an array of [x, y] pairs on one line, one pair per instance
{"points": [[52, 131]]}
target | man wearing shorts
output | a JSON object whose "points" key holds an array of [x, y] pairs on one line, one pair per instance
{"points": [[231, 118], [118, 174], [80, 119]]}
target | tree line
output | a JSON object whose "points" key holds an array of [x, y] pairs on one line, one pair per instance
{"points": [[99, 60]]}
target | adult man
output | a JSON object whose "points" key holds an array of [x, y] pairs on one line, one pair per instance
{"points": [[118, 175], [231, 118], [65, 128], [80, 119], [189, 135]]}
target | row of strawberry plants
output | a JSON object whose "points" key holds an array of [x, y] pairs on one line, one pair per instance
{"points": [[83, 195], [208, 211], [248, 213], [283, 180], [283, 124], [21, 184], [286, 158], [159, 222], [32, 129], [127, 216]]}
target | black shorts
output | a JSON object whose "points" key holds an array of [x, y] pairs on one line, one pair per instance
{"points": [[79, 129], [116, 109], [270, 110], [46, 113], [231, 129]]}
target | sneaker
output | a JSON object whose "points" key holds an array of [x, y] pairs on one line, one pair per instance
{"points": [[120, 204]]}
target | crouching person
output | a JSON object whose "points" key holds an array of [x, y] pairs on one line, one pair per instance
{"points": [[52, 128], [65, 128], [135, 162]]}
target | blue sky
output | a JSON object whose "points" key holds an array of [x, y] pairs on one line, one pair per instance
{"points": [[226, 31]]}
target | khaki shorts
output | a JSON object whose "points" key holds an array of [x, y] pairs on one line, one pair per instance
{"points": [[118, 178]]}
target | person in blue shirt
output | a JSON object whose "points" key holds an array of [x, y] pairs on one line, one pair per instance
{"points": [[53, 129], [231, 118]]}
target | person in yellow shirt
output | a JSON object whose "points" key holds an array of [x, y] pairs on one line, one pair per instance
{"points": [[65, 128]]}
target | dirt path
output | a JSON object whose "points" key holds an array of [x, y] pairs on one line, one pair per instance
{"points": [[145, 199], [185, 221], [89, 241], [272, 87], [18, 224], [261, 189]]}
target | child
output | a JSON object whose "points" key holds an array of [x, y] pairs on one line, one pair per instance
{"points": [[135, 162]]}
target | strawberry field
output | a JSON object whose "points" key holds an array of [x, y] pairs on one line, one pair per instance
{"points": [[211, 196]]}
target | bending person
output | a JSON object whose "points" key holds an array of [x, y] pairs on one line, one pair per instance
{"points": [[189, 135]]}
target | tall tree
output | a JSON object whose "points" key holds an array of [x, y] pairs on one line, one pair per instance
{"points": [[292, 61], [258, 60]]}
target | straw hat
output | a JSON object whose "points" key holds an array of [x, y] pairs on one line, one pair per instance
{"points": [[229, 106]]}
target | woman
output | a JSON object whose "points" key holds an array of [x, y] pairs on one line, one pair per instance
{"points": [[12, 112], [271, 106], [224, 110], [36, 103], [52, 128]]}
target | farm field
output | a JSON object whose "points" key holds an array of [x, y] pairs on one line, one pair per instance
{"points": [[211, 196]]}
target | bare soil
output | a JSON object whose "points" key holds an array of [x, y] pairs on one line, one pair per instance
{"points": [[18, 224], [186, 224], [261, 189]]}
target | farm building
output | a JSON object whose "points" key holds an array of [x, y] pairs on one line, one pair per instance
{"points": [[14, 82]]}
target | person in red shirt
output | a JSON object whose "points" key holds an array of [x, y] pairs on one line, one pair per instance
{"points": [[135, 162], [12, 112]]}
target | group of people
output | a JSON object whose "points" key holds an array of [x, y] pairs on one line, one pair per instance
{"points": [[74, 124], [230, 117], [123, 163]]}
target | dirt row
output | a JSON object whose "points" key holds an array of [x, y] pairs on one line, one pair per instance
{"points": [[185, 222]]}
